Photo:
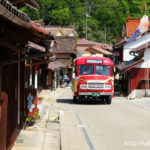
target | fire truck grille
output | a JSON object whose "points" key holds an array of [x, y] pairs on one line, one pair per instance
{"points": [[95, 85]]}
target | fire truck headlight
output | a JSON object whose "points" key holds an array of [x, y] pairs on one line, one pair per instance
{"points": [[83, 86], [108, 87]]}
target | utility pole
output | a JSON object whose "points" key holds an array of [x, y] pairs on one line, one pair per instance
{"points": [[86, 19], [86, 22], [105, 35], [147, 70]]}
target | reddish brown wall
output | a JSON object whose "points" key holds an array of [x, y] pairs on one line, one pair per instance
{"points": [[3, 119], [9, 86], [137, 77], [22, 92], [50, 78]]}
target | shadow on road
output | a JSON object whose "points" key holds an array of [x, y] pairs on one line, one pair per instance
{"points": [[85, 102]]}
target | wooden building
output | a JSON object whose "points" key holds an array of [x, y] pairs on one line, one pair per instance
{"points": [[98, 50], [16, 30], [134, 65], [66, 46], [55, 71], [90, 47]]}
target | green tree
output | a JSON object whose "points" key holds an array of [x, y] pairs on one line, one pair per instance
{"points": [[111, 14]]}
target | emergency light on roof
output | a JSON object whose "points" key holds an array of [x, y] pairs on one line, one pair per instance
{"points": [[94, 61]]}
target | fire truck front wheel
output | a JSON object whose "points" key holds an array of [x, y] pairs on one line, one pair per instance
{"points": [[108, 99]]}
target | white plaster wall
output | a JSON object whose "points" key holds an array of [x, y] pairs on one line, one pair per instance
{"points": [[134, 44], [145, 64]]}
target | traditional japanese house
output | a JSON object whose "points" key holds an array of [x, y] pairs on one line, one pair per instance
{"points": [[66, 47], [16, 30], [127, 31], [134, 63], [89, 47]]}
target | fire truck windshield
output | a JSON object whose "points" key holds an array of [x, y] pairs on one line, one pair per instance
{"points": [[86, 69], [102, 70]]}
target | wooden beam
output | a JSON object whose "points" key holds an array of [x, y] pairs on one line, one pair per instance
{"points": [[37, 63], [10, 46], [41, 62], [23, 34], [16, 60], [18, 1], [5, 13]]}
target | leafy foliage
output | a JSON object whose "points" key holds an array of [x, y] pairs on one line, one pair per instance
{"points": [[109, 14]]}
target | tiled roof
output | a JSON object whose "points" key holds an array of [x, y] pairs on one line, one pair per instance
{"points": [[12, 14], [120, 43], [36, 46], [131, 26], [126, 66], [104, 46], [22, 3], [65, 45], [7, 10], [81, 51], [52, 29], [54, 65], [98, 50], [38, 29], [65, 30], [140, 48], [83, 41]]}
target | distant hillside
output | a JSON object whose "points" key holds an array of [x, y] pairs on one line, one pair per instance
{"points": [[111, 14]]}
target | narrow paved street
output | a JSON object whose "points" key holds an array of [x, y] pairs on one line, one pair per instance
{"points": [[123, 125]]}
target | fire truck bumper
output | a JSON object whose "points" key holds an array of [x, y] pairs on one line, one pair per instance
{"points": [[98, 93]]}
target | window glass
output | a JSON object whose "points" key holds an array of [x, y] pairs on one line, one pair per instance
{"points": [[102, 70], [86, 69]]}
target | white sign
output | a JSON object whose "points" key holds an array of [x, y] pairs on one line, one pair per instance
{"points": [[94, 61]]}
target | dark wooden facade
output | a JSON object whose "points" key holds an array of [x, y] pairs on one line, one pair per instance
{"points": [[3, 120], [10, 86], [14, 36]]}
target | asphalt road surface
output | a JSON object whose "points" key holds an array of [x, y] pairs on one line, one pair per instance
{"points": [[123, 125]]}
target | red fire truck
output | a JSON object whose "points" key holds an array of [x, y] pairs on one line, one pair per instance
{"points": [[93, 79]]}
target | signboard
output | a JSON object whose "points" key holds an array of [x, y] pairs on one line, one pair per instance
{"points": [[31, 102], [94, 61]]}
